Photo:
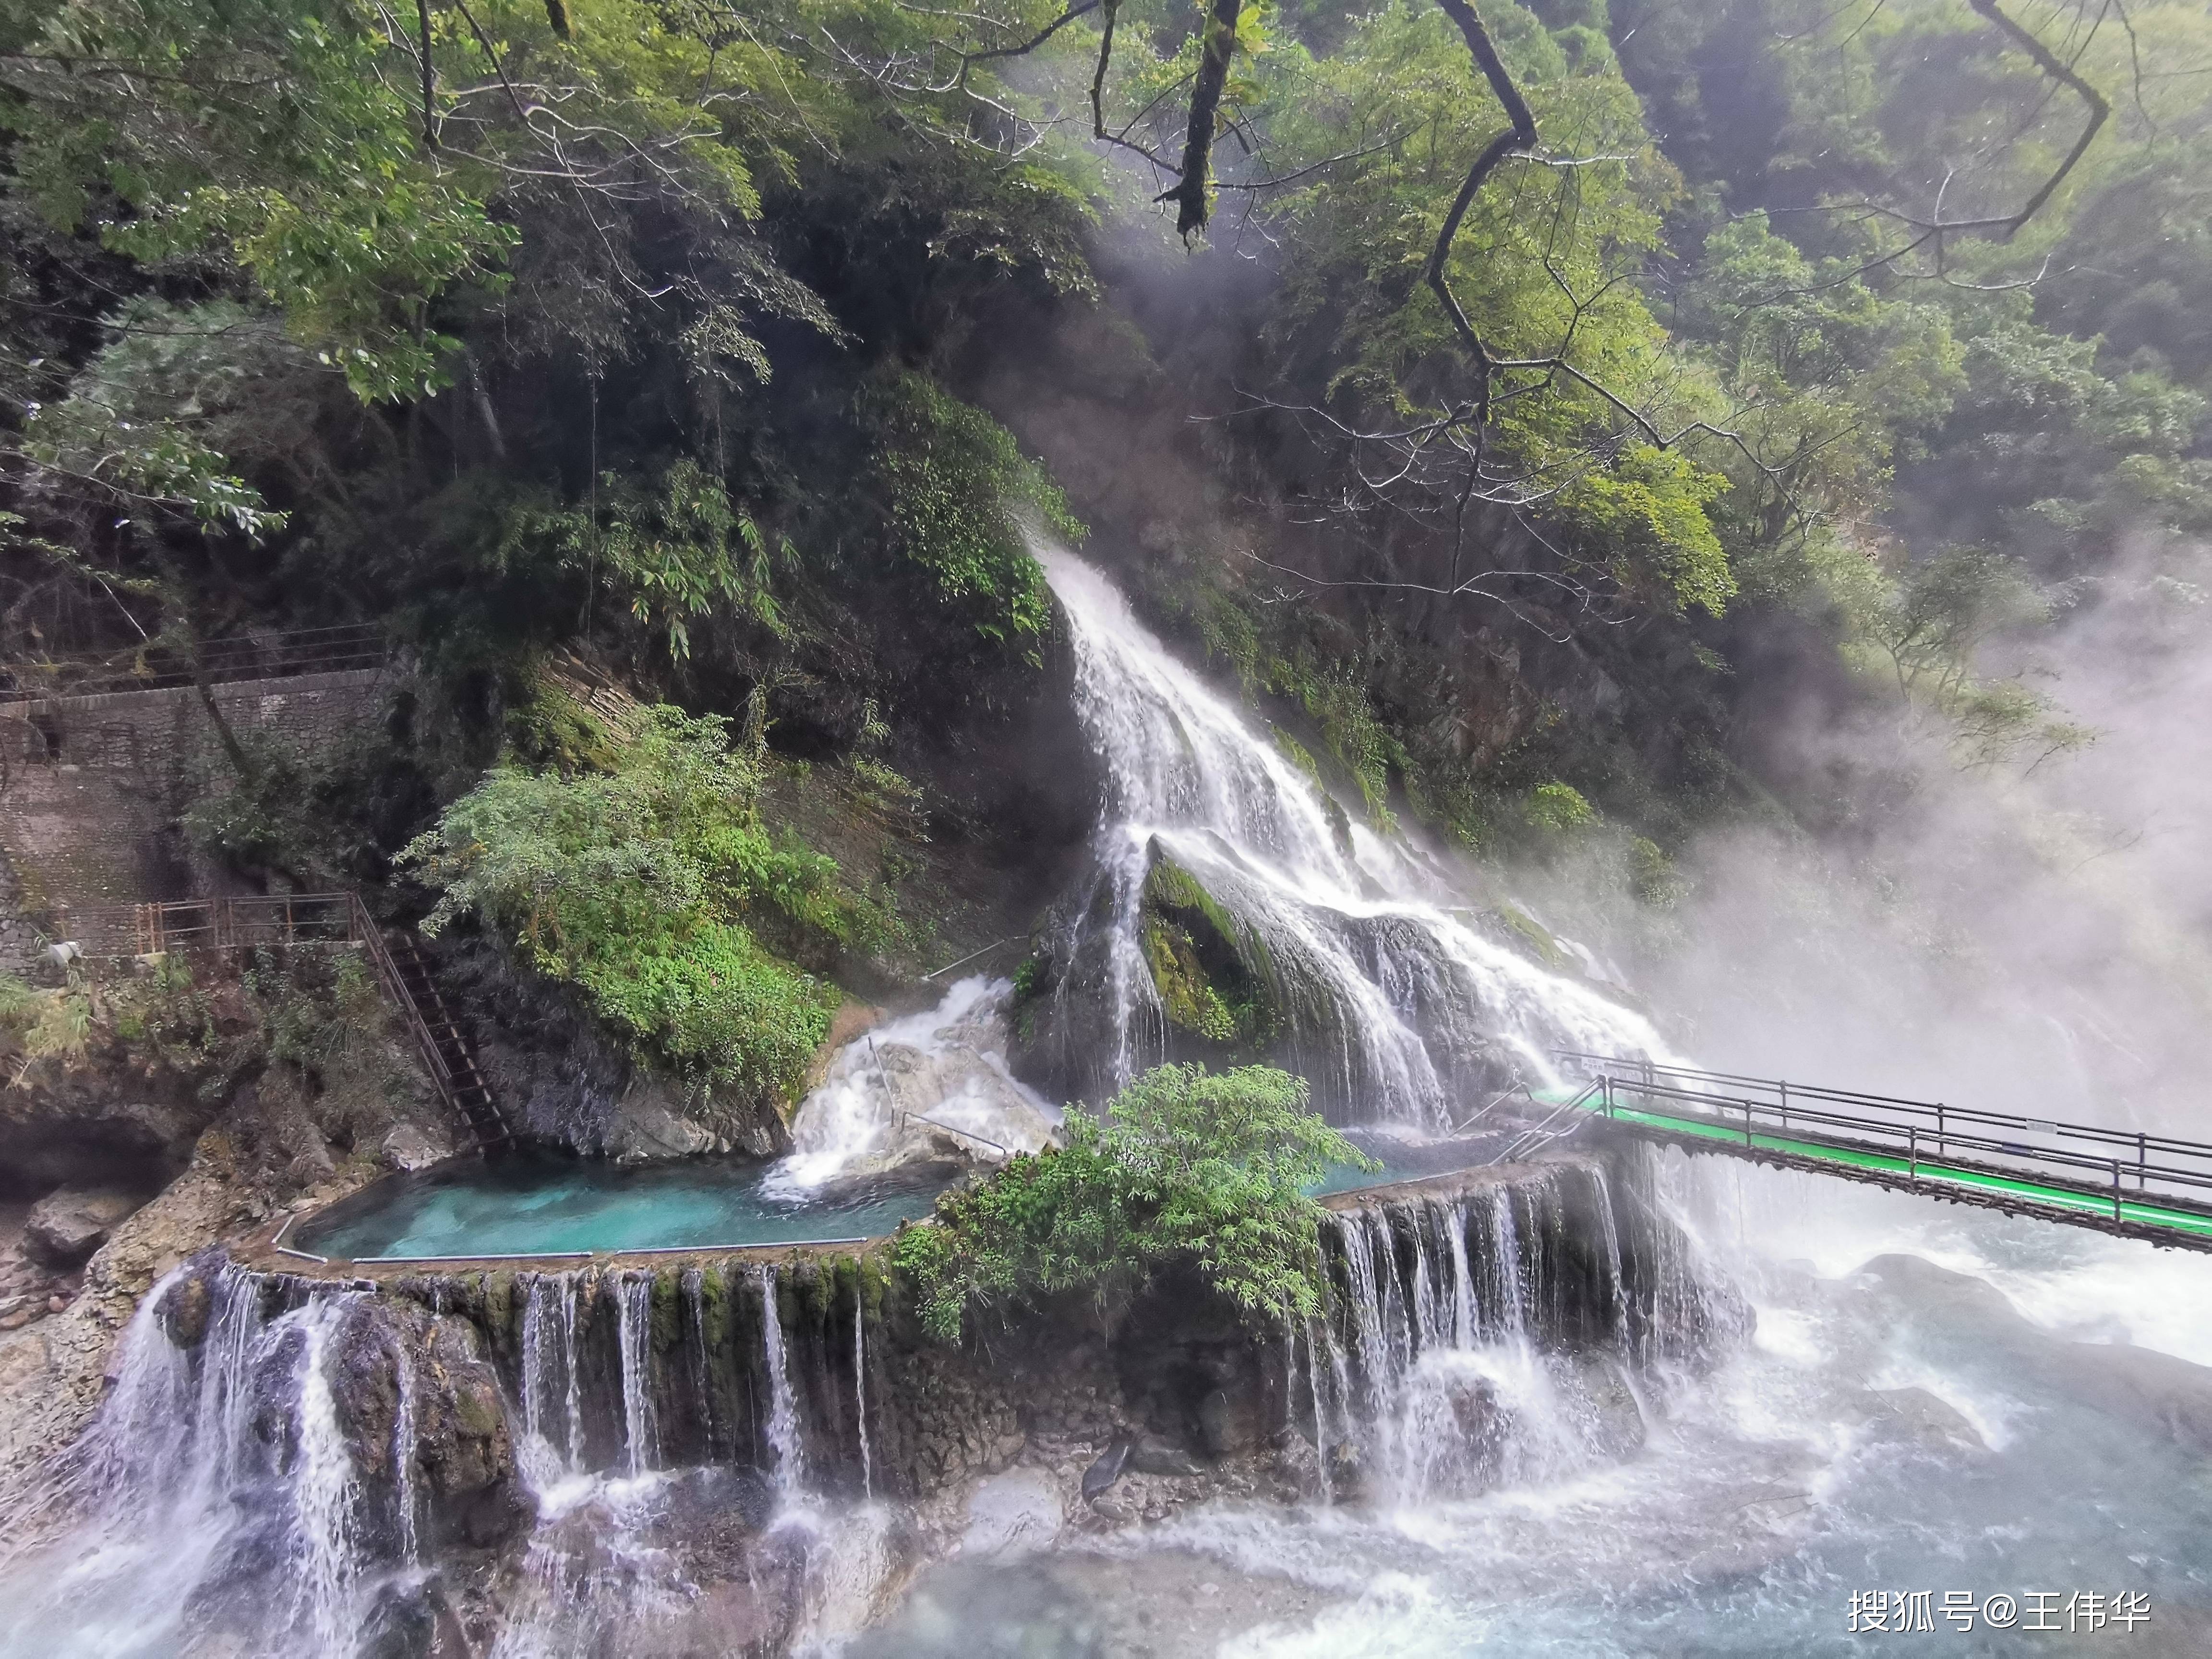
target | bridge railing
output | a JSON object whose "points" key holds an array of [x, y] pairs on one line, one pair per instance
{"points": [[2080, 1157], [243, 657]]}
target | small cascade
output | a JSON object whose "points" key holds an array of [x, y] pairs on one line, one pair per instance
{"points": [[640, 1433], [784, 1437], [697, 1339], [215, 1497], [326, 1493], [551, 1392], [405, 1476], [1500, 1338], [921, 1087], [861, 1398], [1346, 948]]}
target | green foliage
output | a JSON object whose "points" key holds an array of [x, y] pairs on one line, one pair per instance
{"points": [[144, 417], [159, 1008], [268, 131], [1184, 1165], [1545, 262], [1556, 808], [958, 488], [647, 885], [672, 550], [1926, 631]]}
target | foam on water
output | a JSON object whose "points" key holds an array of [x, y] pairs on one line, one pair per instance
{"points": [[947, 1063]]}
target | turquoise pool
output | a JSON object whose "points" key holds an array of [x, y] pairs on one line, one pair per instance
{"points": [[535, 1204]]}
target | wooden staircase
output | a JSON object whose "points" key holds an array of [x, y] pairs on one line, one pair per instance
{"points": [[405, 974]]}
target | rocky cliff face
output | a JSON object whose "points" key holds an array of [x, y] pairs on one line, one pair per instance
{"points": [[145, 1152]]}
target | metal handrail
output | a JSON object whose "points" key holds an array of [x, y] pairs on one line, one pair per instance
{"points": [[1959, 1134], [237, 922], [1941, 1112], [245, 921], [243, 657], [1542, 1133]]}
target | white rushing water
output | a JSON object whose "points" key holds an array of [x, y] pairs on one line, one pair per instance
{"points": [[216, 1493], [904, 1090], [1397, 992]]}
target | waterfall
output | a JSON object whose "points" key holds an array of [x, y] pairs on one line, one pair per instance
{"points": [[1389, 1000], [634, 1302], [326, 1492], [1460, 1355], [403, 1457], [784, 1437], [861, 1396], [550, 1368], [214, 1496], [694, 1283]]}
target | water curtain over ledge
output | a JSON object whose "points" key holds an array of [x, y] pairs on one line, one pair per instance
{"points": [[625, 1445]]}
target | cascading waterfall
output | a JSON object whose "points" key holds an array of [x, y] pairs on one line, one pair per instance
{"points": [[861, 1398], [1455, 1357], [214, 1496], [1393, 999], [639, 1428], [550, 1382], [326, 1492], [403, 1431]]}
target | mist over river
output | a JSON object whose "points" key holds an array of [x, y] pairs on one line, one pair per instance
{"points": [[1935, 1401]]}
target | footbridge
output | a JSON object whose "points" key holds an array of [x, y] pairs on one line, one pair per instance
{"points": [[2127, 1182]]}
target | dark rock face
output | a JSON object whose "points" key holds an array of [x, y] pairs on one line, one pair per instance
{"points": [[109, 1121], [461, 1453], [67, 1225], [571, 1082]]}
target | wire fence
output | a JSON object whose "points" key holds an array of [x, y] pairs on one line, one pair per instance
{"points": [[244, 657]]}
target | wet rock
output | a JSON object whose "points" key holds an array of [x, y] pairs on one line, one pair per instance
{"points": [[65, 1227], [411, 1619], [184, 1311], [1914, 1417], [1102, 1475], [1020, 1509], [1296, 1468], [1347, 1476], [1607, 1418], [470, 1488], [1154, 1454], [22, 1316], [1230, 1424], [407, 1147]]}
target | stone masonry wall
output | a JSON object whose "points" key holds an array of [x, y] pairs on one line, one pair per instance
{"points": [[91, 786]]}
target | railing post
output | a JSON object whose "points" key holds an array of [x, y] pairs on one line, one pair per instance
{"points": [[1785, 1087], [2116, 1189], [2142, 1161], [1746, 1124], [1913, 1152]]}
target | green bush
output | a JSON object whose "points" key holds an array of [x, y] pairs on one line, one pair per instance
{"points": [[647, 885], [1185, 1164], [955, 478]]}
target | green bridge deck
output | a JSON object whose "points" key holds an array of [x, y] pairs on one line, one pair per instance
{"points": [[1938, 1172]]}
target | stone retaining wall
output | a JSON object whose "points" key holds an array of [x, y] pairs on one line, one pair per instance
{"points": [[91, 787]]}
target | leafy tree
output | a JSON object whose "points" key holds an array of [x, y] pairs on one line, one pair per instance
{"points": [[1184, 1165]]}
